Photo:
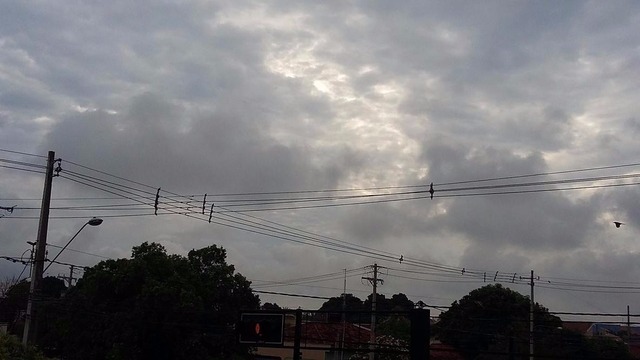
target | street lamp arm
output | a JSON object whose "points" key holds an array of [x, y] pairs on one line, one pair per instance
{"points": [[64, 247], [93, 222]]}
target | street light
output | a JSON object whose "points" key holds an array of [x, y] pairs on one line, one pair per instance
{"points": [[36, 277], [93, 222]]}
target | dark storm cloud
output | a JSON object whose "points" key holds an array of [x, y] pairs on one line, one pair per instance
{"points": [[451, 160], [217, 151], [547, 129], [526, 221]]}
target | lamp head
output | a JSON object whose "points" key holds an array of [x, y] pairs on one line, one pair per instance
{"points": [[95, 221]]}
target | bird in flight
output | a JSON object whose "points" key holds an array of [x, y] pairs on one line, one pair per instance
{"points": [[618, 223]]}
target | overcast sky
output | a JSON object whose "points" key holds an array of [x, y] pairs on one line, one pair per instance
{"points": [[285, 98]]}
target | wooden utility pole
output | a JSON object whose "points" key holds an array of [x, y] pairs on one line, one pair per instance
{"points": [[531, 308], [30, 324], [374, 282], [68, 279], [628, 328], [344, 315]]}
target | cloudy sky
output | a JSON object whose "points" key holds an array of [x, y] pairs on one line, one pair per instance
{"points": [[315, 129]]}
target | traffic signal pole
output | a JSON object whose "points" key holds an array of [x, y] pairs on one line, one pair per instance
{"points": [[297, 355]]}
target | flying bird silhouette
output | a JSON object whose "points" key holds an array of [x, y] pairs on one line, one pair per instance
{"points": [[618, 223]]}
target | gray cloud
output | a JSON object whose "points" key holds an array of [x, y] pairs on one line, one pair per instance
{"points": [[526, 221], [216, 150]]}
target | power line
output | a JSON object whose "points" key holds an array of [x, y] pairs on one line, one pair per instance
{"points": [[332, 245], [607, 167], [281, 201], [21, 169], [310, 279], [240, 224], [80, 252], [291, 234], [22, 153], [406, 195], [292, 295], [67, 264], [15, 259]]}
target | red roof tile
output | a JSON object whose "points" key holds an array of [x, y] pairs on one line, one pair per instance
{"points": [[330, 334]]}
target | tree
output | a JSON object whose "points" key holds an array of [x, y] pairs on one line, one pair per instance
{"points": [[270, 306], [6, 284], [353, 303], [11, 348], [154, 305], [353, 306], [14, 303], [395, 324], [400, 302], [492, 322]]}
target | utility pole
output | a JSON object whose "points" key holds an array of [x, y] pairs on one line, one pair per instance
{"points": [[374, 282], [71, 275], [344, 314], [531, 357], [628, 328], [30, 324], [69, 278]]}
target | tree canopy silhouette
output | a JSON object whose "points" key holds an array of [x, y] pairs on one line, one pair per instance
{"points": [[154, 305]]}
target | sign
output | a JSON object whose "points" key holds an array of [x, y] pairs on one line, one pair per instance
{"points": [[261, 328]]}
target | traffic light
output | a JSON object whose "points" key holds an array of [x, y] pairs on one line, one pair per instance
{"points": [[261, 328]]}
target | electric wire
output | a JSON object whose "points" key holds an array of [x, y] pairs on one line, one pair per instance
{"points": [[608, 167], [21, 169], [502, 277], [291, 295], [545, 190], [22, 153], [79, 252], [20, 275], [308, 280], [234, 224], [263, 228], [255, 202], [245, 222], [22, 163]]}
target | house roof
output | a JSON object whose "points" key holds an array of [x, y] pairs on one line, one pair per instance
{"points": [[579, 326], [330, 334], [440, 351], [321, 333], [614, 329]]}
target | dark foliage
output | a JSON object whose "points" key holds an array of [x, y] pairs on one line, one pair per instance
{"points": [[14, 304], [152, 306], [492, 322]]}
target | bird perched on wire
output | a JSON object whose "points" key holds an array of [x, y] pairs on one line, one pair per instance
{"points": [[618, 223]]}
